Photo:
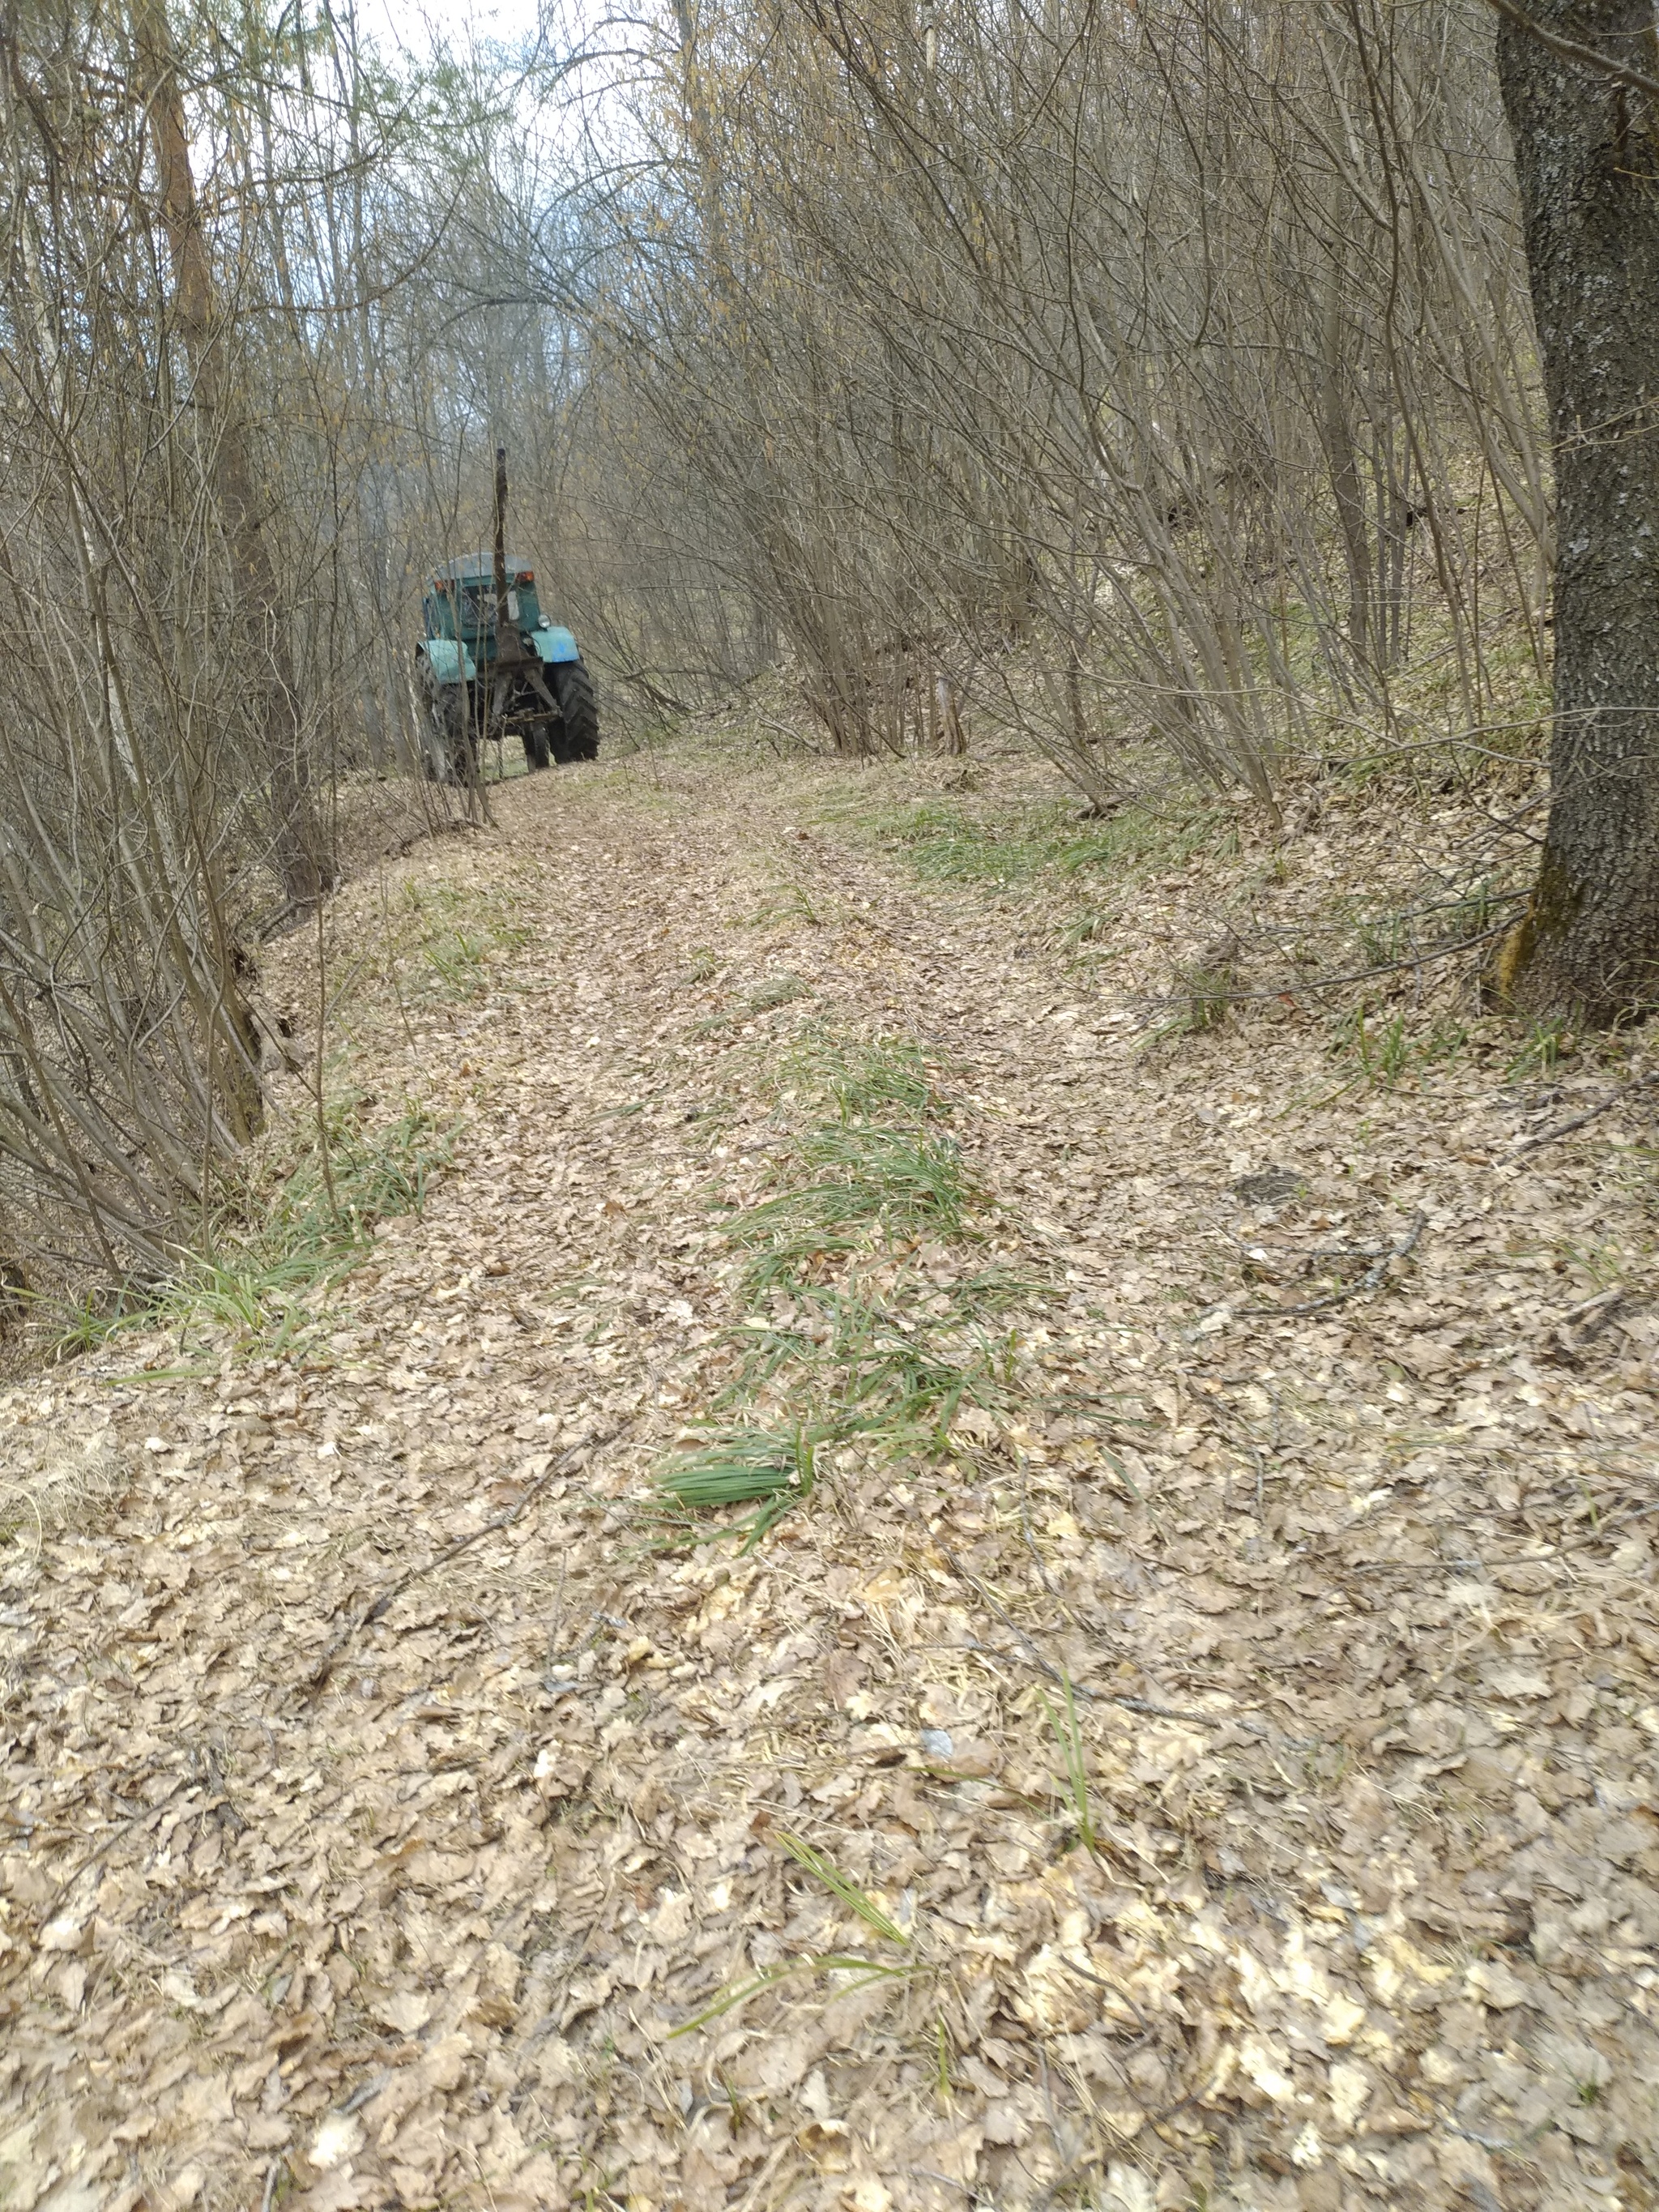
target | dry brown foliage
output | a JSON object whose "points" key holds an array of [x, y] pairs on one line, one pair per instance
{"points": [[1357, 1607]]}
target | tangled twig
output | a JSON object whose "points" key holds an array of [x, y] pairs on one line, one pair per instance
{"points": [[1298, 985], [1368, 1281], [1079, 1689]]}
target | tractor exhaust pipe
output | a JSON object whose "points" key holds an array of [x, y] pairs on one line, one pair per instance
{"points": [[502, 627]]}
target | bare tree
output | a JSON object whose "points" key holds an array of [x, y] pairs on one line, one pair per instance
{"points": [[179, 562], [223, 427]]}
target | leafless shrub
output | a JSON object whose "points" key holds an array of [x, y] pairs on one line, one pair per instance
{"points": [[1154, 365]]}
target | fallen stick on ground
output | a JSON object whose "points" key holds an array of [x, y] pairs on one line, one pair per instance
{"points": [[1550, 1136], [318, 1678]]}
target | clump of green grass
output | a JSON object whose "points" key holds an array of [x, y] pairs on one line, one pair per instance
{"points": [[1069, 1737], [862, 1971], [775, 991], [1390, 936], [882, 1168], [1546, 1046], [1392, 1047], [899, 1366], [903, 1181], [849, 1339], [455, 937], [1087, 928], [865, 1083], [948, 842], [278, 1240], [768, 1470], [1206, 993], [950, 846], [857, 1899], [784, 901], [376, 1173]]}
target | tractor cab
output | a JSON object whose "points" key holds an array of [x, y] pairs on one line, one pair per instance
{"points": [[460, 602]]}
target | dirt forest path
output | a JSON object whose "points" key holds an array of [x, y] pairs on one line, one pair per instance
{"points": [[386, 1779]]}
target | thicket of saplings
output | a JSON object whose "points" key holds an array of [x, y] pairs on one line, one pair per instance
{"points": [[1155, 387]]}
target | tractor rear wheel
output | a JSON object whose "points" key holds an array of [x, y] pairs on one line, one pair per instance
{"points": [[435, 750], [578, 738], [448, 749], [460, 733]]}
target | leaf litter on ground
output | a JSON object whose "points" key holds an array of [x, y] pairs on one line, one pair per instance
{"points": [[1256, 1711]]}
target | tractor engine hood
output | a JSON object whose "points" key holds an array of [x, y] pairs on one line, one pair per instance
{"points": [[450, 662]]}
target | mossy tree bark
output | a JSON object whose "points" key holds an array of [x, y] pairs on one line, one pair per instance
{"points": [[1587, 156]]}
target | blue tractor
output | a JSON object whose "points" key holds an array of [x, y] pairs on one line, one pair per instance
{"points": [[492, 665]]}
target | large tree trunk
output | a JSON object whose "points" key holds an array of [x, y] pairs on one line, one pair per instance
{"points": [[297, 834], [1586, 155]]}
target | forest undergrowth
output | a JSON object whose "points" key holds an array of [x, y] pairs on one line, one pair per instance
{"points": [[942, 1503]]}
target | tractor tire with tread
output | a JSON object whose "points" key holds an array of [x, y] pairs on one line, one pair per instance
{"points": [[460, 736], [447, 750], [578, 736]]}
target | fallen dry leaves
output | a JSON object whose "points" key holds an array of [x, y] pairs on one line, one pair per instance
{"points": [[1353, 1897]]}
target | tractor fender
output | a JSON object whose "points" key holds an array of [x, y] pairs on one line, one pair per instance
{"points": [[450, 663], [554, 644]]}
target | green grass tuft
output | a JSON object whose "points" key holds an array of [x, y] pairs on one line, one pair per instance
{"points": [[856, 1899], [276, 1244], [893, 1369], [1546, 1046], [1391, 1049], [454, 937], [767, 1469], [1069, 1737], [870, 1182], [884, 1081], [948, 842], [861, 1329]]}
